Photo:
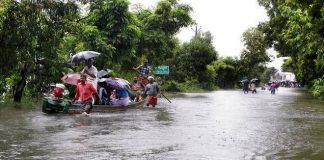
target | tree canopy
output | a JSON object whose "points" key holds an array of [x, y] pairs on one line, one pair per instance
{"points": [[39, 36], [296, 29]]}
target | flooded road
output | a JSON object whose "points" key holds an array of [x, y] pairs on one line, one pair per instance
{"points": [[216, 125]]}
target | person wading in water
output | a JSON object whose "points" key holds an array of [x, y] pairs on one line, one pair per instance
{"points": [[84, 93]]}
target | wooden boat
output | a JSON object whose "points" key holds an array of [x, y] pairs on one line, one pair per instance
{"points": [[50, 105]]}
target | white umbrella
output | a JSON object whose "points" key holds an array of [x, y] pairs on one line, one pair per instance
{"points": [[83, 55], [104, 72], [254, 80]]}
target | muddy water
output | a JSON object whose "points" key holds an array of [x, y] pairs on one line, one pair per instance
{"points": [[215, 125]]}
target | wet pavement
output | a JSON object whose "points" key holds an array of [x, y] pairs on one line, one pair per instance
{"points": [[214, 125]]}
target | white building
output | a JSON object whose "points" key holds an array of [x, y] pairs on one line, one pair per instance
{"points": [[287, 76], [283, 76]]}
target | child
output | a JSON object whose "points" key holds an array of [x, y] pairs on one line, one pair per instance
{"points": [[58, 90]]}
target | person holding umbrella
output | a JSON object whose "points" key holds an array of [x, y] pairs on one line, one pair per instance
{"points": [[253, 85], [245, 86], [84, 92], [92, 71], [89, 69], [88, 57]]}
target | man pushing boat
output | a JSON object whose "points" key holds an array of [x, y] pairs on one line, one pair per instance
{"points": [[151, 89], [84, 92]]}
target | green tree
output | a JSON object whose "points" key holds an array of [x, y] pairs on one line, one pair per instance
{"points": [[109, 28], [266, 75], [119, 27], [225, 72], [254, 56], [30, 32], [287, 66], [193, 58], [159, 27], [296, 29]]}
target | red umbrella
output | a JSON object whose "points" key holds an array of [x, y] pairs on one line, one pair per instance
{"points": [[73, 78]]}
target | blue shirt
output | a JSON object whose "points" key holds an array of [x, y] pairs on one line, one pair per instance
{"points": [[152, 89]]}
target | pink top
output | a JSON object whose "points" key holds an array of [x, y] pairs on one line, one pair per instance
{"points": [[84, 91]]}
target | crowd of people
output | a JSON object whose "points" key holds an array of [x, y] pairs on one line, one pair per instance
{"points": [[270, 86], [251, 86], [99, 92]]}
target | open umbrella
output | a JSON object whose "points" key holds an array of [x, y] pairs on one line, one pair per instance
{"points": [[104, 72], [83, 55], [244, 81], [117, 83], [254, 80], [73, 78]]}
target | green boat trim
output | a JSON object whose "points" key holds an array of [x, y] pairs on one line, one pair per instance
{"points": [[50, 105]]}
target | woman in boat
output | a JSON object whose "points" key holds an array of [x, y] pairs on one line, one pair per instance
{"points": [[104, 95], [122, 97]]}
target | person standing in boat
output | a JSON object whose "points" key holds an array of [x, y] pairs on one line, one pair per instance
{"points": [[84, 93], [151, 89], [144, 71], [91, 71]]}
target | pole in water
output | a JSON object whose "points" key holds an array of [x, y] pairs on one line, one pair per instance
{"points": [[165, 97]]}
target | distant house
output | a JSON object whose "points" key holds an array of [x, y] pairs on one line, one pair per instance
{"points": [[288, 76], [283, 76]]}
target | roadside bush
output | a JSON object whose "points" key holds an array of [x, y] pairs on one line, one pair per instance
{"points": [[172, 86], [318, 88], [191, 85]]}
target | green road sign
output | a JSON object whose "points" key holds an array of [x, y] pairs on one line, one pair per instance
{"points": [[161, 70]]}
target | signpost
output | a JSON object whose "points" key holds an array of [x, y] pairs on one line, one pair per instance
{"points": [[162, 70]]}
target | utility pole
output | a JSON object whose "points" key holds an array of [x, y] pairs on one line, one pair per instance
{"points": [[196, 29]]}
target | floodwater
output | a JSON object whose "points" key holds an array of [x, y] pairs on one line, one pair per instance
{"points": [[221, 125]]}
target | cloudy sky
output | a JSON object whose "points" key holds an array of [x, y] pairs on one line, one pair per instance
{"points": [[225, 19]]}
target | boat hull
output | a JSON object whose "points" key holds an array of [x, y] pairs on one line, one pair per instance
{"points": [[65, 107]]}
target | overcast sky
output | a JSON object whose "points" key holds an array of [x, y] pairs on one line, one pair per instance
{"points": [[225, 19]]}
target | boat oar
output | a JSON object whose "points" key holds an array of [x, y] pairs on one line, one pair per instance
{"points": [[165, 97]]}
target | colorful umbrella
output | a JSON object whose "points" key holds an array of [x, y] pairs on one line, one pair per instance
{"points": [[117, 83], [73, 78]]}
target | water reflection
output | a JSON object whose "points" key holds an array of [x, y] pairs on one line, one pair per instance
{"points": [[215, 125]]}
